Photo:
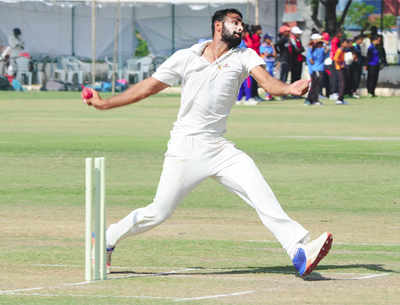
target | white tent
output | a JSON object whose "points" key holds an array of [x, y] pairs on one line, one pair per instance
{"points": [[54, 27]]}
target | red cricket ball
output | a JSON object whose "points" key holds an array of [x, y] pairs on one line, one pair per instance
{"points": [[87, 93]]}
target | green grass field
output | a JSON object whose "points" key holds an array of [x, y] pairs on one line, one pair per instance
{"points": [[333, 168]]}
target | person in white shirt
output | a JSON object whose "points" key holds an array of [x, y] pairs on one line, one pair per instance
{"points": [[16, 45], [211, 74]]}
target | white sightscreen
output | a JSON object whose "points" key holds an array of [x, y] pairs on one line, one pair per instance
{"points": [[168, 27], [61, 30]]}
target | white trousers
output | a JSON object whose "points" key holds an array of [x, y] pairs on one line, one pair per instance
{"points": [[191, 159]]}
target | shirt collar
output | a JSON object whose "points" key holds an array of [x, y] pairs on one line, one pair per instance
{"points": [[198, 49]]}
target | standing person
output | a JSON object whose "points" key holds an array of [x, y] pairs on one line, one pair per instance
{"points": [[339, 63], [256, 43], [211, 74], [317, 55], [333, 79], [16, 45], [268, 53], [246, 89], [284, 49], [327, 65], [380, 46], [348, 60], [373, 62], [357, 65], [296, 67]]}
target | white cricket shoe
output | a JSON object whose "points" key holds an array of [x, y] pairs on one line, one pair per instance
{"points": [[251, 102], [108, 259], [309, 255], [333, 96]]}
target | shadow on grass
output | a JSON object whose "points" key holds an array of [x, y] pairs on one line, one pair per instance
{"points": [[289, 270]]}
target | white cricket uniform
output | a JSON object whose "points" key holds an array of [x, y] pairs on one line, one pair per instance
{"points": [[197, 149]]}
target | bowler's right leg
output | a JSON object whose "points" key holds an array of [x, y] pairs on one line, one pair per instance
{"points": [[178, 178]]}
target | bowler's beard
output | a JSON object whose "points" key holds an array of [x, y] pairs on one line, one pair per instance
{"points": [[229, 38]]}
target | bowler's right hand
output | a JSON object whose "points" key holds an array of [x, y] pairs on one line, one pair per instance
{"points": [[96, 101]]}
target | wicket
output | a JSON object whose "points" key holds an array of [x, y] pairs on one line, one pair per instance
{"points": [[95, 239]]}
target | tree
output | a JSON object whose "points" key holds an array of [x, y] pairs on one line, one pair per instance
{"points": [[142, 48], [331, 22], [359, 15], [389, 21]]}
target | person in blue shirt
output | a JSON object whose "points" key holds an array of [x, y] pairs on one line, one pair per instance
{"points": [[373, 62], [268, 53], [316, 57]]}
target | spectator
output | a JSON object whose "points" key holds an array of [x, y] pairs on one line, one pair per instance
{"points": [[339, 63], [316, 55], [327, 65], [373, 62], [268, 53], [297, 54], [16, 47], [356, 66], [255, 45], [283, 48], [380, 46], [245, 90], [333, 79], [348, 60]]}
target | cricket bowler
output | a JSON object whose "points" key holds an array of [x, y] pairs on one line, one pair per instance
{"points": [[210, 74]]}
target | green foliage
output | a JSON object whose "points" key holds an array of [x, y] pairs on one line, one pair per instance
{"points": [[142, 48], [358, 15], [389, 21]]}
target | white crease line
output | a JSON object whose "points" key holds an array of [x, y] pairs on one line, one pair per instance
{"points": [[95, 296], [370, 276], [176, 299], [348, 138], [13, 291], [215, 296]]}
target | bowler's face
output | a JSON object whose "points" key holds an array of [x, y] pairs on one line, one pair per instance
{"points": [[233, 25]]}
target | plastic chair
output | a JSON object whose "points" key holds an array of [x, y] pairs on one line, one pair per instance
{"points": [[23, 70], [132, 68], [119, 73], [61, 70], [145, 65], [74, 69]]}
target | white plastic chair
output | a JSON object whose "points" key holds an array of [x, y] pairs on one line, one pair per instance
{"points": [[74, 69], [61, 70], [23, 70], [145, 65], [132, 68], [119, 73]]}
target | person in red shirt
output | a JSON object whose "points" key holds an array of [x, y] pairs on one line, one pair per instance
{"points": [[256, 38], [255, 45], [335, 42]]}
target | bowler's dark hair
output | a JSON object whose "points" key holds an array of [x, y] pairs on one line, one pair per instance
{"points": [[220, 16]]}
